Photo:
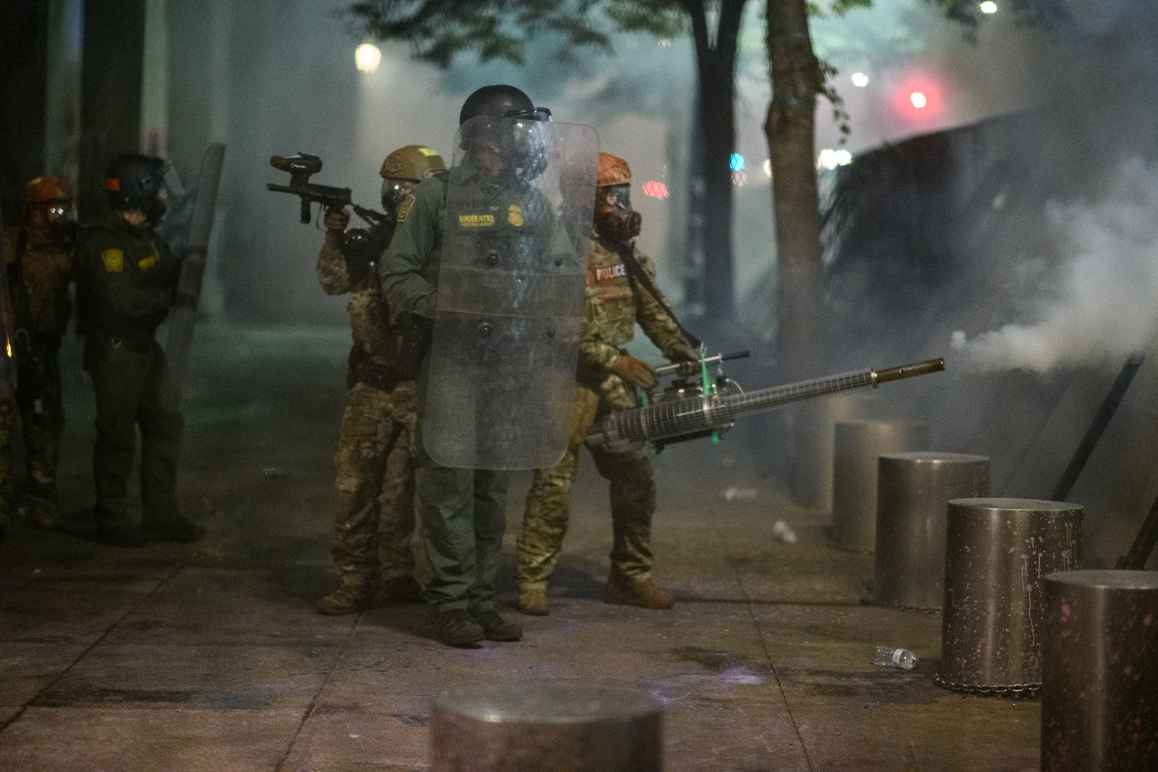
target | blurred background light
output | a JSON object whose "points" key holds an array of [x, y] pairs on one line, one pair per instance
{"points": [[367, 57]]}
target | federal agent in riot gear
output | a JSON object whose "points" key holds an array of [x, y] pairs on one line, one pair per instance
{"points": [[127, 277], [620, 292], [481, 260], [38, 259], [374, 460]]}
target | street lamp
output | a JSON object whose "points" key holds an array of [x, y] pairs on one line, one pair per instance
{"points": [[919, 100], [988, 7], [860, 79], [367, 57]]}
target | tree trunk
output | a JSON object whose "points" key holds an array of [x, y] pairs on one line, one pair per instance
{"points": [[715, 103], [790, 129]]}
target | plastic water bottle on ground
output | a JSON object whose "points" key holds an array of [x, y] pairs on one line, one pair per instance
{"points": [[901, 659]]}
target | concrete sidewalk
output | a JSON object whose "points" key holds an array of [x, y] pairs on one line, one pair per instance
{"points": [[212, 657]]}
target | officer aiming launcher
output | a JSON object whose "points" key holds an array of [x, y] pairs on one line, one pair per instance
{"points": [[687, 410]]}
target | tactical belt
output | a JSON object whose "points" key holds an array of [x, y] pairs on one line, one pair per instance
{"points": [[376, 374]]}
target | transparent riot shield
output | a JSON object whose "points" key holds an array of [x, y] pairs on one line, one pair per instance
{"points": [[501, 368]]}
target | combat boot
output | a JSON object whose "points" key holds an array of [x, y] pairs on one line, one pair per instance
{"points": [[399, 589], [454, 627], [174, 528], [633, 591], [533, 601], [354, 594], [495, 628]]}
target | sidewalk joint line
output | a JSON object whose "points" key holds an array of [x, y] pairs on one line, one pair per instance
{"points": [[312, 707], [176, 569]]}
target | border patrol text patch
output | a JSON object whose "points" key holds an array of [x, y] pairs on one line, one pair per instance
{"points": [[476, 221]]}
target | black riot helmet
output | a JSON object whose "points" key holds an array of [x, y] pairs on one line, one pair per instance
{"points": [[498, 101], [504, 120], [137, 182]]}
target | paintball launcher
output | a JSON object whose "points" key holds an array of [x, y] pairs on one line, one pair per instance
{"points": [[686, 410], [301, 166], [361, 246]]}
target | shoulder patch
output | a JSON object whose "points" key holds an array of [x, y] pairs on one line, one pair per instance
{"points": [[405, 208], [113, 260]]}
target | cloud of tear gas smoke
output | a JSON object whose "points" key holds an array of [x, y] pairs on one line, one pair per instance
{"points": [[1105, 307]]}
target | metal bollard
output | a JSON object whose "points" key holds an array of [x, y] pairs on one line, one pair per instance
{"points": [[913, 493], [528, 728], [857, 446], [997, 553], [1099, 694]]}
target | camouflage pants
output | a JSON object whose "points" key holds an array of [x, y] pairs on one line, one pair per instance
{"points": [[37, 416], [632, 488], [375, 483]]}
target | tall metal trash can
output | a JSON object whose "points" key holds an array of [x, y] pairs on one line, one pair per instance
{"points": [[998, 551], [1099, 694], [857, 446], [913, 494], [544, 728]]}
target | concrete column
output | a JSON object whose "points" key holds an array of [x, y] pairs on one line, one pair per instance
{"points": [[62, 108]]}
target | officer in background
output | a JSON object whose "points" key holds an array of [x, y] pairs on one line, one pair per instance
{"points": [[462, 511], [127, 279], [374, 520], [620, 292], [38, 259]]}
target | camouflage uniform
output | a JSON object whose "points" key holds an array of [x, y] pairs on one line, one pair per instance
{"points": [[374, 460], [42, 268], [614, 305]]}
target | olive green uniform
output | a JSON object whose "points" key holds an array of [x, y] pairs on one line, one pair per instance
{"points": [[613, 307], [40, 268], [374, 520], [462, 511], [127, 278]]}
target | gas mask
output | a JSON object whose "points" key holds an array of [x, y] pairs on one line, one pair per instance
{"points": [[614, 218], [394, 192]]}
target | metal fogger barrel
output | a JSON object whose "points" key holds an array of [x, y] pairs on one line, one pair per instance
{"points": [[687, 417]]}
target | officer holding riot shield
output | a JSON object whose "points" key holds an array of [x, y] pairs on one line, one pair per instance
{"points": [[127, 277], [482, 263]]}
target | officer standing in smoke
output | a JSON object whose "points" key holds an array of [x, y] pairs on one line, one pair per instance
{"points": [[475, 250], [375, 458], [127, 278], [38, 258], [621, 291]]}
